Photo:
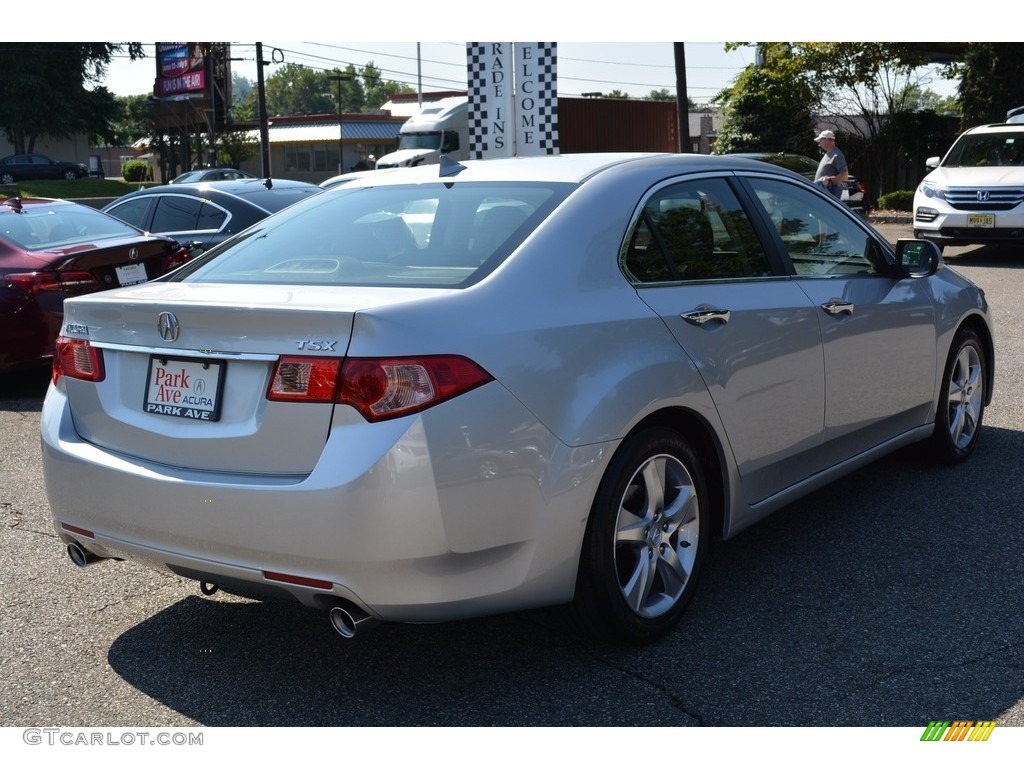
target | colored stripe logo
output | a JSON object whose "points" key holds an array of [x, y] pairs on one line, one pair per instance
{"points": [[960, 730]]}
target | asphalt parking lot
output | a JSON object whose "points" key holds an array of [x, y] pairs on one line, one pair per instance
{"points": [[890, 598]]}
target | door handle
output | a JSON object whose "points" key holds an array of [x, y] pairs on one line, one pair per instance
{"points": [[705, 315], [838, 307]]}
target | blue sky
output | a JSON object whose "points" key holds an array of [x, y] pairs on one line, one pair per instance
{"points": [[635, 68]]}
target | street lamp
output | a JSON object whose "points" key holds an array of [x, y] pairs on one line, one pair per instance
{"points": [[339, 79]]}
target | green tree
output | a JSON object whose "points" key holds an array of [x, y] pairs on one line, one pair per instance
{"points": [[133, 120], [991, 81], [378, 91], [295, 89], [768, 108], [662, 95], [50, 96]]}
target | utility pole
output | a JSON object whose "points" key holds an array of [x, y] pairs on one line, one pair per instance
{"points": [[339, 79], [682, 102], [261, 101]]}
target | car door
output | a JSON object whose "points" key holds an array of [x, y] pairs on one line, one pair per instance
{"points": [[878, 330], [753, 334], [191, 220]]}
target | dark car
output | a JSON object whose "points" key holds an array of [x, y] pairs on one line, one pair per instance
{"points": [[210, 174], [53, 249], [855, 192], [21, 167], [205, 214]]}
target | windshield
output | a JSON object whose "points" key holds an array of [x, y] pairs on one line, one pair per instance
{"points": [[987, 149], [428, 140], [61, 226], [424, 235]]}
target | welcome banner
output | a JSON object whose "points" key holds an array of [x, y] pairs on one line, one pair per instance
{"points": [[513, 99]]}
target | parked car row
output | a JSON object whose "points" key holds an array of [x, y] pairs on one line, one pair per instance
{"points": [[457, 390], [51, 250]]}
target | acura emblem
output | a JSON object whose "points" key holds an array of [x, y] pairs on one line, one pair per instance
{"points": [[133, 254], [982, 195], [167, 325]]}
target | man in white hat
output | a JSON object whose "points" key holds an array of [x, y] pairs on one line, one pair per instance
{"points": [[832, 171]]}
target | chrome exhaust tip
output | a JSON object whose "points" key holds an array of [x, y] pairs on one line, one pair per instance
{"points": [[348, 619], [81, 556]]}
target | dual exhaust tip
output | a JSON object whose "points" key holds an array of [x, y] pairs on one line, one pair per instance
{"points": [[347, 618], [81, 556]]}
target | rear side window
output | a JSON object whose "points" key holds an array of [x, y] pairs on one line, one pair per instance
{"points": [[176, 214], [695, 230], [134, 212], [444, 235]]}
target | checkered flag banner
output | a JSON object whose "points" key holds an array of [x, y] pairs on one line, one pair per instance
{"points": [[491, 106], [536, 102]]}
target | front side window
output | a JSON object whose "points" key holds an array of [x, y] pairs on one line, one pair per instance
{"points": [[694, 230], [819, 238]]}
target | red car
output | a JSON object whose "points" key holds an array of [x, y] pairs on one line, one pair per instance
{"points": [[52, 249]]}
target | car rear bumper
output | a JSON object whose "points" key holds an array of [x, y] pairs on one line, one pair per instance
{"points": [[419, 525]]}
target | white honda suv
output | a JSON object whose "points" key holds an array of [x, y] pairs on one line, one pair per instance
{"points": [[976, 193]]}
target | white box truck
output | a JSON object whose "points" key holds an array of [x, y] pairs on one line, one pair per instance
{"points": [[440, 128]]}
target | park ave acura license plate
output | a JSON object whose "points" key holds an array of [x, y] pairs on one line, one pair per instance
{"points": [[190, 389]]}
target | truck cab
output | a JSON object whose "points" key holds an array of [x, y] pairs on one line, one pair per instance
{"points": [[441, 128]]}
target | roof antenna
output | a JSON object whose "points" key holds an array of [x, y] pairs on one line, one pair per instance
{"points": [[450, 167]]}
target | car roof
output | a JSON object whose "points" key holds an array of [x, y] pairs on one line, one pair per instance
{"points": [[566, 168], [11, 204], [1015, 127], [280, 193]]}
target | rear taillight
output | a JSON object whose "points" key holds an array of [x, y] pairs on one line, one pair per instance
{"points": [[77, 359], [70, 281], [304, 379], [389, 387], [379, 388], [176, 259]]}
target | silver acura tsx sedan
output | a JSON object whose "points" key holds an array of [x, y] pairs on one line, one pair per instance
{"points": [[465, 389]]}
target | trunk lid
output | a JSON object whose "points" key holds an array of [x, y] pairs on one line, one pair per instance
{"points": [[218, 351]]}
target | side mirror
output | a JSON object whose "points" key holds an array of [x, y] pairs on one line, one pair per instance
{"points": [[932, 163], [917, 258]]}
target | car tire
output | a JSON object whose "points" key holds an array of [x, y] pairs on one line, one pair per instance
{"points": [[961, 400], [7, 178], [70, 175], [646, 540]]}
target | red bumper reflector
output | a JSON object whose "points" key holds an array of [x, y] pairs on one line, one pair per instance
{"points": [[302, 581], [75, 529]]}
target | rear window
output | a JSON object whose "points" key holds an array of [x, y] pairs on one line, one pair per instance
{"points": [[424, 235], [37, 229]]}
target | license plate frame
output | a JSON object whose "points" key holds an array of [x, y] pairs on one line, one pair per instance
{"points": [[981, 220], [185, 387], [131, 274]]}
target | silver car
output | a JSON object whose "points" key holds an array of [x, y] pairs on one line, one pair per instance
{"points": [[458, 390]]}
